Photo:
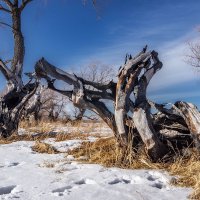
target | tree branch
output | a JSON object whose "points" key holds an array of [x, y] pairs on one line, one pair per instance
{"points": [[9, 3], [99, 86], [5, 24], [5, 71], [66, 93], [43, 69], [4, 9], [98, 95], [24, 4]]}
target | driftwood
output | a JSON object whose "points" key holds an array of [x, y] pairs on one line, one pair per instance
{"points": [[162, 132]]}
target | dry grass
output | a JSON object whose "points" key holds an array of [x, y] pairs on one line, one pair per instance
{"points": [[42, 147], [107, 153], [70, 136], [45, 126], [42, 131], [188, 170], [42, 136], [26, 137], [47, 130], [47, 164], [40, 127], [74, 135], [4, 141]]}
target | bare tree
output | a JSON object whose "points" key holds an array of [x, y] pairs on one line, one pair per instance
{"points": [[169, 128], [97, 72], [53, 105], [17, 93], [194, 56], [46, 104]]}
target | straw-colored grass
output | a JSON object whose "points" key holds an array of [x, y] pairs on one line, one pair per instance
{"points": [[42, 147], [107, 153], [26, 137], [74, 135], [42, 136], [40, 127], [71, 136], [47, 164]]}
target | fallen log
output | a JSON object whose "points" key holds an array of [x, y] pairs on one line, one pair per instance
{"points": [[176, 127]]}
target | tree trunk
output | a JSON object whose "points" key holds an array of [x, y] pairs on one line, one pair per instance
{"points": [[17, 94], [11, 109], [19, 48]]}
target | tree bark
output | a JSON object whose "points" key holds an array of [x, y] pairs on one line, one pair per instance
{"points": [[17, 94], [191, 116], [141, 115], [19, 48], [127, 78]]}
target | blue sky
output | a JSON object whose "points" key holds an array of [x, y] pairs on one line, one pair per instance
{"points": [[72, 35]]}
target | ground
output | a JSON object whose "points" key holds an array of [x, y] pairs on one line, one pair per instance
{"points": [[29, 175]]}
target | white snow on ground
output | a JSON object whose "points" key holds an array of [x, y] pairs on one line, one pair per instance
{"points": [[27, 175], [63, 146]]}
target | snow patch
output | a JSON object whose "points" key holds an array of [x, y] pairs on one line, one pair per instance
{"points": [[23, 175]]}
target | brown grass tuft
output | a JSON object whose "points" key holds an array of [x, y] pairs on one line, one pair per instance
{"points": [[47, 164], [97, 152], [26, 137], [42, 136], [73, 136], [42, 147], [4, 141], [107, 153], [70, 136], [188, 170]]}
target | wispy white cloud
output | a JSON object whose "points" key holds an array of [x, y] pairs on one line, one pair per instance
{"points": [[174, 75], [172, 53], [175, 68]]}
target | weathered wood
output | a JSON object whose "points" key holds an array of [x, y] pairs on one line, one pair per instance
{"points": [[173, 126], [191, 116], [81, 97], [130, 71], [34, 105], [141, 115], [10, 115], [175, 140]]}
